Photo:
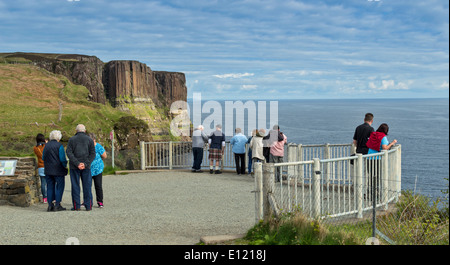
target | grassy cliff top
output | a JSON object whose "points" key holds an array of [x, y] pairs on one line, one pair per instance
{"points": [[31, 102]]}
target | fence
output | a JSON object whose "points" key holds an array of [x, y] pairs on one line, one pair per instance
{"points": [[170, 155], [331, 186]]}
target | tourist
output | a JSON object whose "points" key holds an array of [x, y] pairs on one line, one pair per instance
{"points": [[38, 150], [81, 153], [97, 167], [277, 152], [250, 151], [377, 142], [216, 143], [238, 142], [256, 144], [362, 133], [199, 138], [55, 171], [272, 137]]}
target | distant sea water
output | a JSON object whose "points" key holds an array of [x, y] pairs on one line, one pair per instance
{"points": [[421, 126]]}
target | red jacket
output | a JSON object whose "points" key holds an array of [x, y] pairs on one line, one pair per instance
{"points": [[374, 141]]}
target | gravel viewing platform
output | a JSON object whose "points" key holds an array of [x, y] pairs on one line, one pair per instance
{"points": [[154, 208]]}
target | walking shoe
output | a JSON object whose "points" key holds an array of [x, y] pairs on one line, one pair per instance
{"points": [[59, 208], [218, 172], [51, 208], [73, 209], [100, 204], [44, 200], [211, 171], [198, 171]]}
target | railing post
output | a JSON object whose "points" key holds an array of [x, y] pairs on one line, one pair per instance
{"points": [[300, 158], [258, 191], [143, 160], [385, 179], [359, 185], [170, 154], [316, 204], [399, 172], [268, 182], [292, 157]]}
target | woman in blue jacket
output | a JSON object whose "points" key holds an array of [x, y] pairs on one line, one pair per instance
{"points": [[55, 162]]}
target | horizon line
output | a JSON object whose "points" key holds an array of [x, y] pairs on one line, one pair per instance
{"points": [[262, 99]]}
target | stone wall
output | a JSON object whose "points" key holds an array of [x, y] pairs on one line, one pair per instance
{"points": [[24, 188]]}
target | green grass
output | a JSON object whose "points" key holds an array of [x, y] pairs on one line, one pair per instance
{"points": [[29, 105], [296, 229]]}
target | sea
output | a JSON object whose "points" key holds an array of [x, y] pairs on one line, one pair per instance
{"points": [[421, 126]]}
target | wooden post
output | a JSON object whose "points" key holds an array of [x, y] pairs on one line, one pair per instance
{"points": [[316, 204], [170, 155], [258, 191], [268, 182], [399, 172], [385, 179], [142, 147], [359, 185]]}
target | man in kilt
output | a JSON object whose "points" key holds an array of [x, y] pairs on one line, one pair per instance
{"points": [[216, 143]]}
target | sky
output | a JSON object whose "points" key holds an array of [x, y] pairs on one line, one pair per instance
{"points": [[252, 49]]}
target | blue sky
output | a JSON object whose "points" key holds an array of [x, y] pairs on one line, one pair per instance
{"points": [[252, 49]]}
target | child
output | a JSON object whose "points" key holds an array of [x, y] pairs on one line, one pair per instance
{"points": [[38, 150]]}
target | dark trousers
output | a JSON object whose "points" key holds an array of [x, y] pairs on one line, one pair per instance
{"points": [[250, 161], [86, 181], [55, 189], [98, 187], [198, 157], [240, 163]]}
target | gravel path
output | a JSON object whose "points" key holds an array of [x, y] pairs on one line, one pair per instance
{"points": [[163, 208]]}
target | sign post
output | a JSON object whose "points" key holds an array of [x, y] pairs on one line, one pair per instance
{"points": [[111, 136]]}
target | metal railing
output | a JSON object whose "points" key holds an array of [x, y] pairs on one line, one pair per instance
{"points": [[169, 155], [333, 184]]}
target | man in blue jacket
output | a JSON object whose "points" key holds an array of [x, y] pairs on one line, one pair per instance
{"points": [[238, 142], [81, 153]]}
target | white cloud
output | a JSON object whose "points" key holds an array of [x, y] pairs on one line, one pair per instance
{"points": [[444, 85], [249, 87], [234, 75], [389, 85]]}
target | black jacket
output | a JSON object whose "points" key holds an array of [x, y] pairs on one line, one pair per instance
{"points": [[80, 149]]}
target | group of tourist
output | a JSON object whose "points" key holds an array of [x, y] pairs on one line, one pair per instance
{"points": [[85, 157], [270, 148], [262, 147], [85, 163]]}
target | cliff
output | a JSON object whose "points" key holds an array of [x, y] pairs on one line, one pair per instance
{"points": [[114, 81], [136, 82]]}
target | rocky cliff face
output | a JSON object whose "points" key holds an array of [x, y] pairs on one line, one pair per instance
{"points": [[171, 87], [116, 81], [135, 81]]}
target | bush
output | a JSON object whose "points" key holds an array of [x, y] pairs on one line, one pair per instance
{"points": [[296, 229], [417, 221]]}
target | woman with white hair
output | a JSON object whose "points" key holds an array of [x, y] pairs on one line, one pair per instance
{"points": [[199, 139], [55, 162]]}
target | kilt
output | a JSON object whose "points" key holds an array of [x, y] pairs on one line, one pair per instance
{"points": [[215, 154]]}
